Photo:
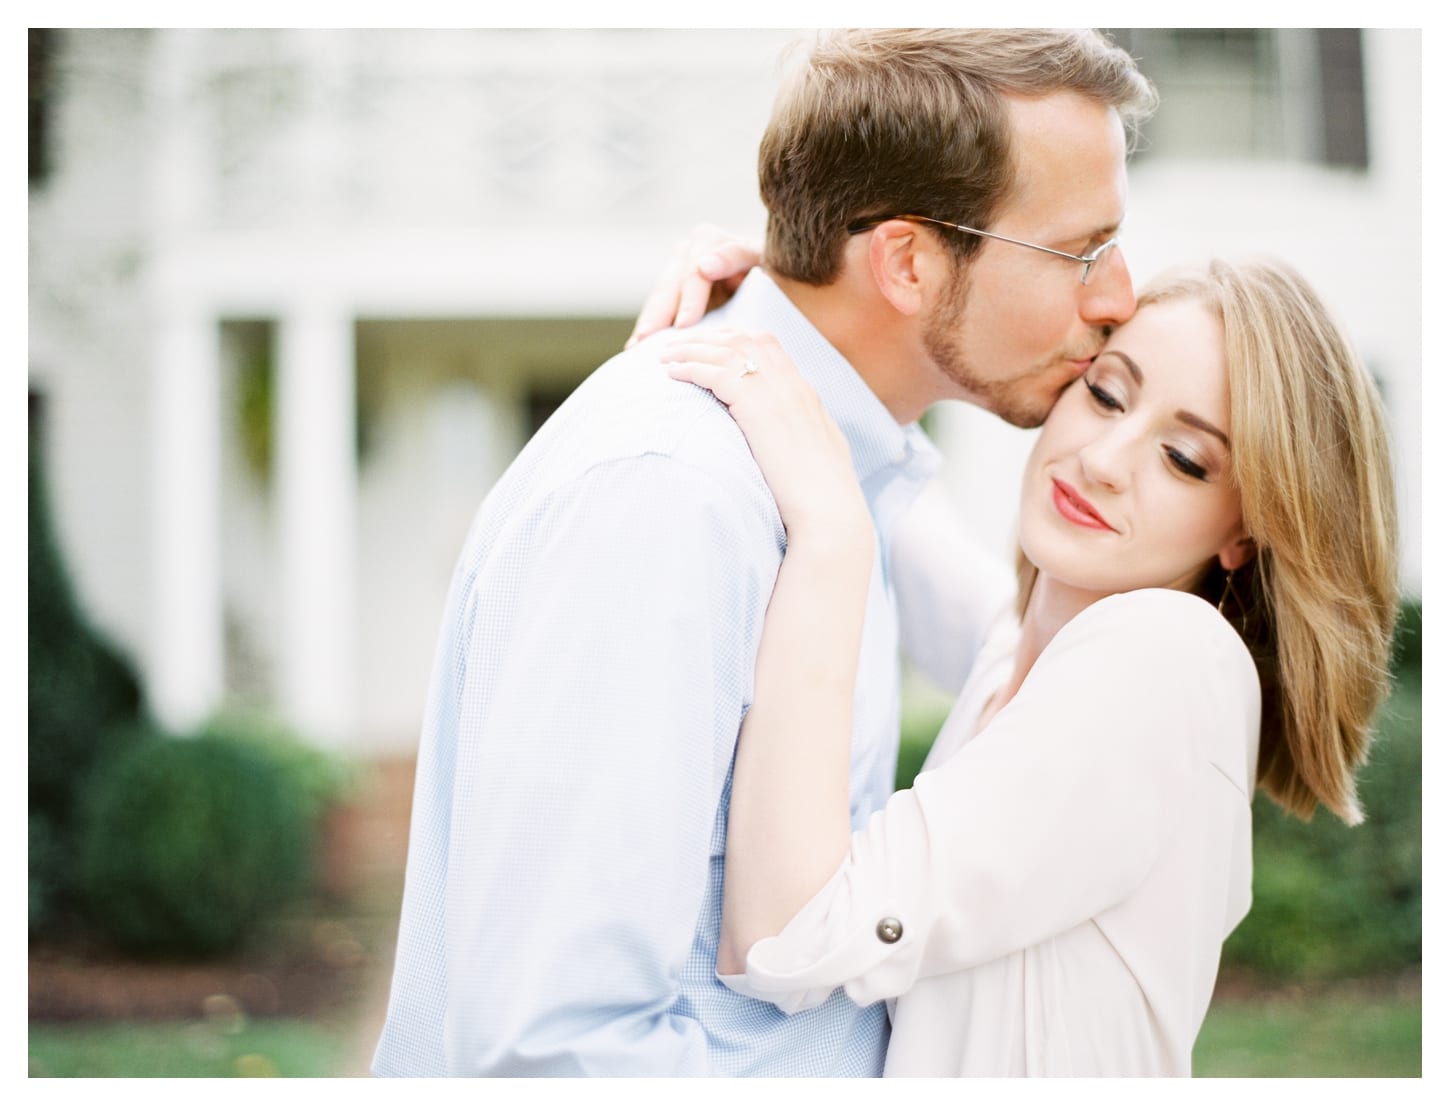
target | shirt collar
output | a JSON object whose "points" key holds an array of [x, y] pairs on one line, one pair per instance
{"points": [[877, 441]]}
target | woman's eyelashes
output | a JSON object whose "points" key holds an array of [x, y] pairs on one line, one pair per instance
{"points": [[1102, 397], [1185, 464]]}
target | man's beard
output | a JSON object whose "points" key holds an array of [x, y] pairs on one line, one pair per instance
{"points": [[945, 348]]}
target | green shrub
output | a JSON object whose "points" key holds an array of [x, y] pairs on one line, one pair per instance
{"points": [[321, 777], [188, 842], [1408, 633], [1332, 900], [923, 711], [84, 693], [44, 864], [84, 702]]}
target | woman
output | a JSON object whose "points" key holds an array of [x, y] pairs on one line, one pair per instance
{"points": [[1207, 594]]}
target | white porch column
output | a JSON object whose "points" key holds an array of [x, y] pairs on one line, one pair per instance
{"points": [[317, 513], [186, 652], [1393, 80]]}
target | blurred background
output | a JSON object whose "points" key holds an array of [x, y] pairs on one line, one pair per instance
{"points": [[296, 300]]}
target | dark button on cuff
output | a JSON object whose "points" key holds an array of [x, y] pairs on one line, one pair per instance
{"points": [[888, 930]]}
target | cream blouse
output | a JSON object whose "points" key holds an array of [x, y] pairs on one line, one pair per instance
{"points": [[1051, 896]]}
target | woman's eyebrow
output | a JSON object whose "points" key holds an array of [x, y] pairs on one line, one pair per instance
{"points": [[1202, 424], [1125, 359]]}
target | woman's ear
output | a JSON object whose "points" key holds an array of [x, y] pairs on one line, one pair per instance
{"points": [[1237, 553]]}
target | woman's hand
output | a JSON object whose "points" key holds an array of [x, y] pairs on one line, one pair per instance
{"points": [[798, 446], [704, 272]]}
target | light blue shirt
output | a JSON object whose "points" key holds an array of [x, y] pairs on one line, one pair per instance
{"points": [[562, 904]]}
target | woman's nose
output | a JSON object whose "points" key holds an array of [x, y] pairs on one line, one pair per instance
{"points": [[1107, 459]]}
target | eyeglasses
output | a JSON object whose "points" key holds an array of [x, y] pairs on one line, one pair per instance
{"points": [[1088, 260]]}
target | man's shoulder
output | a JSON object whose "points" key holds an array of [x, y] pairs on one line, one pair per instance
{"points": [[631, 439], [630, 408]]}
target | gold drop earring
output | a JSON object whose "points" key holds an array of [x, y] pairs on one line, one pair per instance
{"points": [[1228, 586]]}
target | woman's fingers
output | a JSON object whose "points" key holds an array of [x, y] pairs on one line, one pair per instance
{"points": [[721, 345], [703, 272], [730, 260], [695, 291], [801, 452], [700, 349], [723, 369], [726, 268], [714, 377], [663, 300]]}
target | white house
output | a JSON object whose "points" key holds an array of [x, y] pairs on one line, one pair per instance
{"points": [[297, 297]]}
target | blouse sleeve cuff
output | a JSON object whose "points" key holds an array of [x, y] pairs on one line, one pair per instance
{"points": [[789, 1002], [860, 931]]}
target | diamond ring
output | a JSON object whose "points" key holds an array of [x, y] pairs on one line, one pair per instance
{"points": [[749, 367]]}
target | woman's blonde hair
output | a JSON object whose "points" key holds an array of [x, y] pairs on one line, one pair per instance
{"points": [[1317, 604]]}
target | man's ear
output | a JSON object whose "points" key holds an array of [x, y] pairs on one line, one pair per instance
{"points": [[1237, 553], [901, 256]]}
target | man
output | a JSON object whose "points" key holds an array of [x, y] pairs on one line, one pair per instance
{"points": [[562, 907]]}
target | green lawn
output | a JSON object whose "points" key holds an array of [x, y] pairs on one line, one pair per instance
{"points": [[1345, 1031], [189, 1049], [1341, 1031]]}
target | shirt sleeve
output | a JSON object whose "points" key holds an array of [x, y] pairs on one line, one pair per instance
{"points": [[602, 688], [1050, 816], [949, 588]]}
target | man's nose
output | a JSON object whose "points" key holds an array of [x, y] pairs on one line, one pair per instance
{"points": [[1109, 298]]}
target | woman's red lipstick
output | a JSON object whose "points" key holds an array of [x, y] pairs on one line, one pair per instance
{"points": [[1073, 507]]}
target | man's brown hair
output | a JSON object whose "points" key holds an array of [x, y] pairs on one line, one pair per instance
{"points": [[892, 122]]}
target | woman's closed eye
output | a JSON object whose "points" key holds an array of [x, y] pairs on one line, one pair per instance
{"points": [[1102, 397], [1185, 464]]}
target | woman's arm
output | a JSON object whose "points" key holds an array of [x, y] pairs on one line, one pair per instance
{"points": [[789, 811], [1137, 726]]}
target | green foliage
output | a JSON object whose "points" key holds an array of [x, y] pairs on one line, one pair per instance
{"points": [[84, 694], [1332, 900], [85, 700], [320, 778], [169, 844], [187, 843], [921, 720], [255, 405], [256, 379], [45, 862], [1409, 630]]}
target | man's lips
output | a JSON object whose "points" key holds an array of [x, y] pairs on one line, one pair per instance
{"points": [[1083, 362], [1075, 508]]}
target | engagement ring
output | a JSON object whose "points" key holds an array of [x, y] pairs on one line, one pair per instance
{"points": [[749, 367]]}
